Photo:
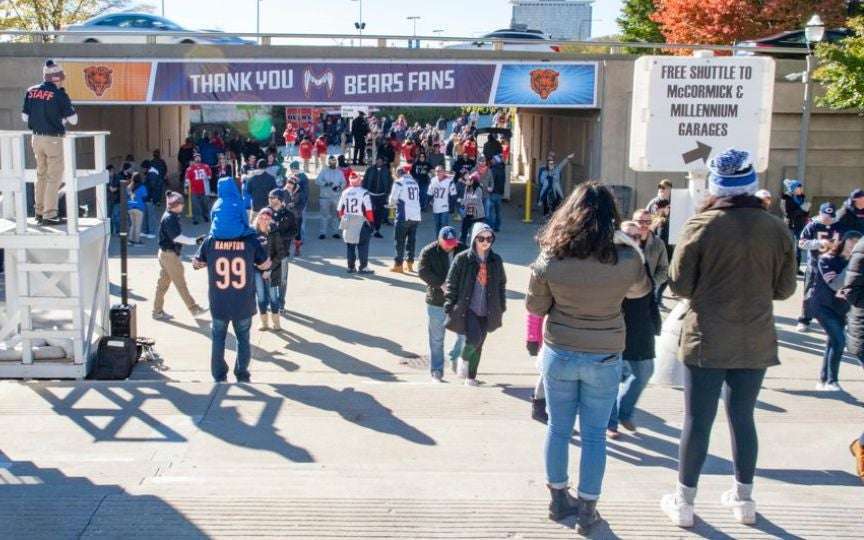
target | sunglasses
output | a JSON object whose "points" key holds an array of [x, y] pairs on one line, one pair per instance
{"points": [[486, 239]]}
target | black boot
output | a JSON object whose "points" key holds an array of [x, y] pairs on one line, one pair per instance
{"points": [[538, 410], [588, 516], [562, 505]]}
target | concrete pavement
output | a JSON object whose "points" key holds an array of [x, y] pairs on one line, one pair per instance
{"points": [[341, 434]]}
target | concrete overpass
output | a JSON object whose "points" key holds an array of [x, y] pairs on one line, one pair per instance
{"points": [[598, 136]]}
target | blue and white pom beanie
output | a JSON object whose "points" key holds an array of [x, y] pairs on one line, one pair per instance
{"points": [[730, 174]]}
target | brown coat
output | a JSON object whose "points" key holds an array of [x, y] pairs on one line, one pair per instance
{"points": [[732, 261], [582, 298]]}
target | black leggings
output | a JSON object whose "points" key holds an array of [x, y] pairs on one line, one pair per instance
{"points": [[475, 336], [702, 387]]}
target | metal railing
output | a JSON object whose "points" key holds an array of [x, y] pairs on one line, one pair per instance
{"points": [[390, 40]]}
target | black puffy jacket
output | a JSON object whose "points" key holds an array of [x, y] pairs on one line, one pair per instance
{"points": [[433, 268], [460, 285]]}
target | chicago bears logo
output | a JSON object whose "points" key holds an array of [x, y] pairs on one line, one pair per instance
{"points": [[544, 82], [326, 80], [98, 79]]}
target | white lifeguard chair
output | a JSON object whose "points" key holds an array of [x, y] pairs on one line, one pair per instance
{"points": [[56, 277]]}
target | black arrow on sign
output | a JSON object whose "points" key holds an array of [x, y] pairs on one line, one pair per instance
{"points": [[702, 151]]}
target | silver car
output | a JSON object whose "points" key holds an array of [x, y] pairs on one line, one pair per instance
{"points": [[131, 26]]}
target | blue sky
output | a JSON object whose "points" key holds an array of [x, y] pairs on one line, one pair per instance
{"points": [[381, 16]]}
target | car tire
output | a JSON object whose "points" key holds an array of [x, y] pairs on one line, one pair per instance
{"points": [[187, 42], [91, 40]]}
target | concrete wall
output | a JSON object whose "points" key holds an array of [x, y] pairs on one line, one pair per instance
{"points": [[835, 150], [836, 158], [138, 130]]}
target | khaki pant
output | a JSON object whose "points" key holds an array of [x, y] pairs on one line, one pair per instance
{"points": [[136, 219], [172, 272], [49, 173]]}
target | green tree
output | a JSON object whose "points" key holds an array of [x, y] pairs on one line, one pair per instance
{"points": [[841, 70], [636, 24], [55, 14]]}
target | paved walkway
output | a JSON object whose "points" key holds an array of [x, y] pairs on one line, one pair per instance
{"points": [[341, 434]]}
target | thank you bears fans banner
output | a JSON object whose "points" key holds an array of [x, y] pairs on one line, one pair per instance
{"points": [[356, 82]]}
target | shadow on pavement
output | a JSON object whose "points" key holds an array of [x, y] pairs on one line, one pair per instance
{"points": [[349, 335], [45, 503], [359, 408], [334, 358], [127, 405]]}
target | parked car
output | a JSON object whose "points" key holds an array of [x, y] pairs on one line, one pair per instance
{"points": [[133, 24], [513, 41], [793, 39]]}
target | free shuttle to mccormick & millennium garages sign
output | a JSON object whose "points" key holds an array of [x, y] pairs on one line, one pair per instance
{"points": [[688, 109]]}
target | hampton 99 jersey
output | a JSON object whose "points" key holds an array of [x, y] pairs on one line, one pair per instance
{"points": [[231, 275]]}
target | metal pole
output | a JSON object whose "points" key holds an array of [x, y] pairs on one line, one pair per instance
{"points": [[163, 8], [805, 121], [124, 242], [257, 16]]}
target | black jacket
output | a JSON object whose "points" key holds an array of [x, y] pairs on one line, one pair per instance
{"points": [[639, 340], [796, 217], [285, 223], [359, 127], [853, 291], [377, 182], [434, 265], [492, 148], [460, 284], [848, 220], [386, 152]]}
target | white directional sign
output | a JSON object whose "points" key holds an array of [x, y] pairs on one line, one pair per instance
{"points": [[688, 109]]}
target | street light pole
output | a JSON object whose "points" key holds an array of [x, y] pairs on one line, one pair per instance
{"points": [[163, 8], [814, 31], [414, 19], [257, 16]]}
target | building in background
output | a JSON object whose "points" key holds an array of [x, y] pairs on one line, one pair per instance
{"points": [[558, 19]]}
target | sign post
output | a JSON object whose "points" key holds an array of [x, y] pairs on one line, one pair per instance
{"points": [[688, 109]]}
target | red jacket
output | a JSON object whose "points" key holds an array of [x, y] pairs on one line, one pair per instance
{"points": [[321, 146], [470, 149], [197, 176], [306, 150]]}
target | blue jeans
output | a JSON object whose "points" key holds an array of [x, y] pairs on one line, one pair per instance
{"points": [[441, 220], [835, 327], [115, 218], [634, 378], [493, 211], [148, 210], [436, 339], [219, 331], [587, 384], [266, 295]]}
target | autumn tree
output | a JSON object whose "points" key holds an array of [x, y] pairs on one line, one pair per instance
{"points": [[55, 14], [841, 70], [636, 24], [723, 22]]}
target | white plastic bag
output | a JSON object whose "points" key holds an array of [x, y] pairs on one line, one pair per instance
{"points": [[668, 370]]}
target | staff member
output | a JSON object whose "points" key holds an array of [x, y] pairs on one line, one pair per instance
{"points": [[46, 108], [171, 242]]}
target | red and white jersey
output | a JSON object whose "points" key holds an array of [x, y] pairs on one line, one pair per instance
{"points": [[198, 178], [355, 201]]}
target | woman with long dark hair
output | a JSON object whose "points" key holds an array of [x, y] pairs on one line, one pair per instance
{"points": [[732, 260], [585, 270]]}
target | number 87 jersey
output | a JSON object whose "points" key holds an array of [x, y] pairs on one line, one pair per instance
{"points": [[405, 196], [231, 267]]}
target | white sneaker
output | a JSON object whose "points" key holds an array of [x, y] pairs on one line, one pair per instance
{"points": [[744, 511], [833, 387], [679, 512], [470, 382], [820, 386], [803, 328]]}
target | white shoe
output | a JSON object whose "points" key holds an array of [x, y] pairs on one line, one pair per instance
{"points": [[744, 511], [470, 382], [833, 387], [820, 386], [679, 512], [803, 328]]}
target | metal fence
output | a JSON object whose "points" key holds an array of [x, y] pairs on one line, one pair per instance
{"points": [[392, 41]]}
